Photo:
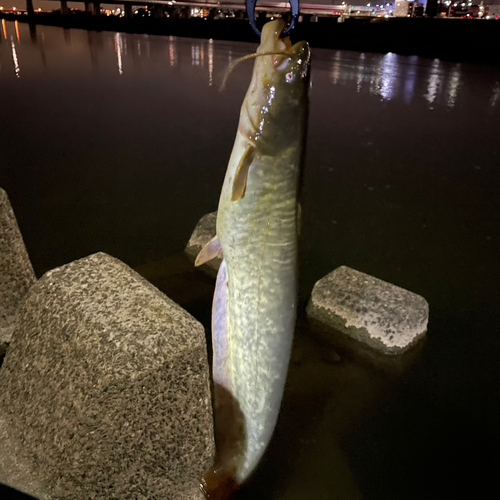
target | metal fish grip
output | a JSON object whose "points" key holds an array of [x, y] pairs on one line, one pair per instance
{"points": [[294, 4]]}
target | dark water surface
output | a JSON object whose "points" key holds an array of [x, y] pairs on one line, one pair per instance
{"points": [[119, 143]]}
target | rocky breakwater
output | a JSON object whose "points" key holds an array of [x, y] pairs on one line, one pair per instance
{"points": [[104, 390], [16, 271], [357, 314], [367, 316]]}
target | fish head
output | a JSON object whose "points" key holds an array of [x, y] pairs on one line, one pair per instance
{"points": [[277, 99]]}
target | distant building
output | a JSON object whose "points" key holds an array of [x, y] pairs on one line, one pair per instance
{"points": [[492, 9], [404, 8]]}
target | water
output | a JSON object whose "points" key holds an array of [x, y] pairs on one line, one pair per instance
{"points": [[118, 143]]}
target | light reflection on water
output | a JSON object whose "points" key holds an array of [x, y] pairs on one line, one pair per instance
{"points": [[336, 67], [434, 83], [496, 95], [409, 85], [195, 54], [453, 85], [172, 56], [359, 79], [210, 61], [389, 76], [14, 57], [118, 50]]}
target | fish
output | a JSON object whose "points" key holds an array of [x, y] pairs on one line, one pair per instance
{"points": [[255, 299]]}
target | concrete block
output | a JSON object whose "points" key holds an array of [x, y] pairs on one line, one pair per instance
{"points": [[372, 312], [106, 387], [16, 271], [15, 468], [204, 231]]}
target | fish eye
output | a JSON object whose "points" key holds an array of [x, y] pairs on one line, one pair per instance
{"points": [[289, 77]]}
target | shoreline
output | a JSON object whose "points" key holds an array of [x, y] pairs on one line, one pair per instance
{"points": [[458, 40]]}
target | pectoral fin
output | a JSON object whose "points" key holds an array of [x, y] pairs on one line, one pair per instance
{"points": [[210, 251], [240, 177]]}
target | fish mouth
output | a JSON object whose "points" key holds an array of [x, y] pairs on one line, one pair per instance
{"points": [[272, 42]]}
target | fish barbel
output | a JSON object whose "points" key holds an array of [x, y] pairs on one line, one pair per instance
{"points": [[254, 308]]}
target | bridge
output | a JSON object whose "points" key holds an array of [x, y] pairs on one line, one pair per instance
{"points": [[325, 7]]}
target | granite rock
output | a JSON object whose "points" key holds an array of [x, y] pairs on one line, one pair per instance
{"points": [[106, 385], [377, 314], [16, 271], [204, 231]]}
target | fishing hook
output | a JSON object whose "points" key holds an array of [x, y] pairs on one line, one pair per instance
{"points": [[294, 4]]}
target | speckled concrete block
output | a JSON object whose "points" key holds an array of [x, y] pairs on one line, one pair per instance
{"points": [[204, 231], [106, 385], [5, 338], [16, 271], [15, 469], [373, 312]]}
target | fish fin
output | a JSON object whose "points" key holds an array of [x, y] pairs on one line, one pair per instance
{"points": [[210, 251], [240, 177], [220, 333], [228, 427]]}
